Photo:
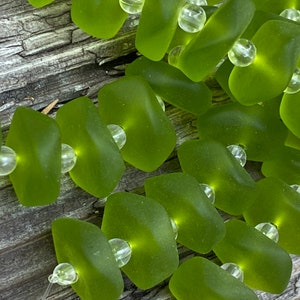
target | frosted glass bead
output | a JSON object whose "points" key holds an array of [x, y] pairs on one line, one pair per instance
{"points": [[68, 158], [209, 191], [239, 153], [292, 14], [269, 230], [121, 250], [161, 103], [174, 55], [118, 134], [294, 84], [8, 160], [192, 18], [175, 228], [63, 274], [234, 270], [132, 6], [242, 53], [296, 187], [197, 2]]}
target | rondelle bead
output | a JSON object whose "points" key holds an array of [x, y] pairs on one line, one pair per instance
{"points": [[192, 18], [63, 274], [197, 2], [118, 134], [8, 160], [296, 187], [269, 230], [234, 270], [239, 154], [174, 55], [209, 191], [294, 84], [132, 6], [121, 250], [242, 53], [291, 14], [68, 158]]}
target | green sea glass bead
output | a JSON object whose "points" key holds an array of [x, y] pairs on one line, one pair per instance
{"points": [[276, 6], [172, 85], [199, 224], [145, 225], [158, 23], [290, 112], [258, 128], [99, 165], [212, 43], [84, 246], [199, 278], [99, 18], [130, 103], [279, 204], [285, 165], [35, 138], [263, 79], [40, 3], [210, 162], [266, 266]]}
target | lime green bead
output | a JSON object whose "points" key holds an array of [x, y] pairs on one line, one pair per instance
{"points": [[157, 26], [172, 86], [35, 138], [264, 79], [99, 165], [84, 246], [276, 6], [150, 137], [266, 266], [146, 226], [199, 278], [257, 128], [99, 18], [210, 162], [201, 55], [40, 3], [199, 224], [277, 203]]}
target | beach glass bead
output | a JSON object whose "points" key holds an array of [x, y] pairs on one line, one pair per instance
{"points": [[199, 225], [121, 250], [242, 53], [84, 245], [118, 134], [8, 160], [234, 270], [68, 158], [209, 191], [63, 274], [192, 18], [266, 265], [294, 84], [145, 225], [269, 230], [132, 6], [277, 203], [291, 14], [238, 153], [210, 162], [296, 187], [174, 54], [200, 278]]}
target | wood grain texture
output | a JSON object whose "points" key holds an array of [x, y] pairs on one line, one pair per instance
{"points": [[43, 56]]}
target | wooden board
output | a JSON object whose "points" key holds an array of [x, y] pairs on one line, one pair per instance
{"points": [[44, 57]]}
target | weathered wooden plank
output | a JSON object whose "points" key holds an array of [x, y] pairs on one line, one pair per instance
{"points": [[43, 56]]}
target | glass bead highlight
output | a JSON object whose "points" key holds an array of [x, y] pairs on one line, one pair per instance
{"points": [[174, 55], [118, 134], [68, 158], [132, 6], [291, 14], [239, 154], [192, 18], [234, 270], [296, 187], [121, 250], [269, 230], [242, 53], [63, 274], [209, 191], [294, 84], [8, 160]]}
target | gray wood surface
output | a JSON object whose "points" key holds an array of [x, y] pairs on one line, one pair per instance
{"points": [[44, 57]]}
